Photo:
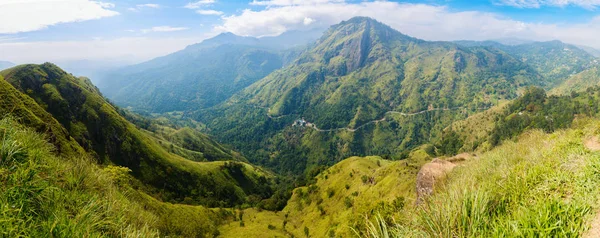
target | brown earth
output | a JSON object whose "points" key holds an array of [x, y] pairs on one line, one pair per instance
{"points": [[435, 172], [592, 143]]}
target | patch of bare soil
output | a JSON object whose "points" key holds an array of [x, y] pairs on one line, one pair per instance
{"points": [[594, 231], [430, 174], [593, 144]]}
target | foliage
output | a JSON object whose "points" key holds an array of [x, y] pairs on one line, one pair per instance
{"points": [[543, 185], [78, 111]]}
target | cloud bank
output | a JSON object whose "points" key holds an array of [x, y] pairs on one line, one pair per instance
{"points": [[424, 21], [31, 15]]}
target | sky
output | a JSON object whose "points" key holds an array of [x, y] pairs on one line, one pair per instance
{"points": [[130, 31]]}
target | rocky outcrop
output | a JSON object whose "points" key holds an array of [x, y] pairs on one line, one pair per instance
{"points": [[434, 173]]}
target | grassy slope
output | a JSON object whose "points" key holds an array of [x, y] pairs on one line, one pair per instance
{"points": [[44, 195], [544, 185], [357, 71], [96, 125], [475, 130], [30, 113], [578, 82], [322, 207]]}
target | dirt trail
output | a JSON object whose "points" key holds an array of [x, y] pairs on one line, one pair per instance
{"points": [[594, 231], [593, 144]]}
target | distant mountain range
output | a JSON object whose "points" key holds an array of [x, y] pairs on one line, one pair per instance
{"points": [[359, 74], [5, 65], [204, 74]]}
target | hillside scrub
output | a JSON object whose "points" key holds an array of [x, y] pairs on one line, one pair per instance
{"points": [[543, 185], [44, 195]]}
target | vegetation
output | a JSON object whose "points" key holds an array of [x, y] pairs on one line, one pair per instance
{"points": [[94, 124], [44, 195], [543, 185], [356, 73], [533, 110]]}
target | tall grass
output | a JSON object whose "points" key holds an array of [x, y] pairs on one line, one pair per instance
{"points": [[541, 186], [42, 195]]}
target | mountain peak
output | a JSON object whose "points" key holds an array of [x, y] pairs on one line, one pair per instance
{"points": [[225, 38]]}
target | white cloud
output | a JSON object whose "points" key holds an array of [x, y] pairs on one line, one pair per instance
{"points": [[134, 49], [424, 21], [291, 2], [31, 15], [199, 4], [163, 29], [589, 4], [209, 12], [148, 5], [139, 7]]}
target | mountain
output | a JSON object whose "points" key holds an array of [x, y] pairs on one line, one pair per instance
{"points": [[79, 121], [5, 65], [591, 50], [93, 69], [373, 197], [365, 89], [201, 75], [554, 60], [579, 82]]}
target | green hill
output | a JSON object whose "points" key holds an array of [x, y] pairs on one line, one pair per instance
{"points": [[201, 75], [533, 110], [357, 74], [554, 60], [87, 121], [578, 82], [538, 184]]}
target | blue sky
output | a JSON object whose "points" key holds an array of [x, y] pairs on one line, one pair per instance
{"points": [[138, 30]]}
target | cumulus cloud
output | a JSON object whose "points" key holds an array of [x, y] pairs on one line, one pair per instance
{"points": [[589, 4], [424, 21], [30, 15], [199, 4], [209, 12]]}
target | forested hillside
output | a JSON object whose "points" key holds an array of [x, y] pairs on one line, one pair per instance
{"points": [[365, 89], [78, 121], [202, 75], [554, 60]]}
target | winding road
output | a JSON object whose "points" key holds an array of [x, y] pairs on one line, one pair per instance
{"points": [[315, 127]]}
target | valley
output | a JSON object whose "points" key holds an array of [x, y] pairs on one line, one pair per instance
{"points": [[358, 130]]}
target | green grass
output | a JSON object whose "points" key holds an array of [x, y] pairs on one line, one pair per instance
{"points": [[544, 185], [44, 195], [75, 117]]}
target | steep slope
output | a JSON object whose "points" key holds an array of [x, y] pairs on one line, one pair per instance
{"points": [[365, 89], [578, 82], [192, 78], [50, 195], [554, 60], [534, 109], [337, 201], [202, 75], [95, 124], [540, 184]]}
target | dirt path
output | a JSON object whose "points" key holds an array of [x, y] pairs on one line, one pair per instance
{"points": [[593, 144], [594, 231]]}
